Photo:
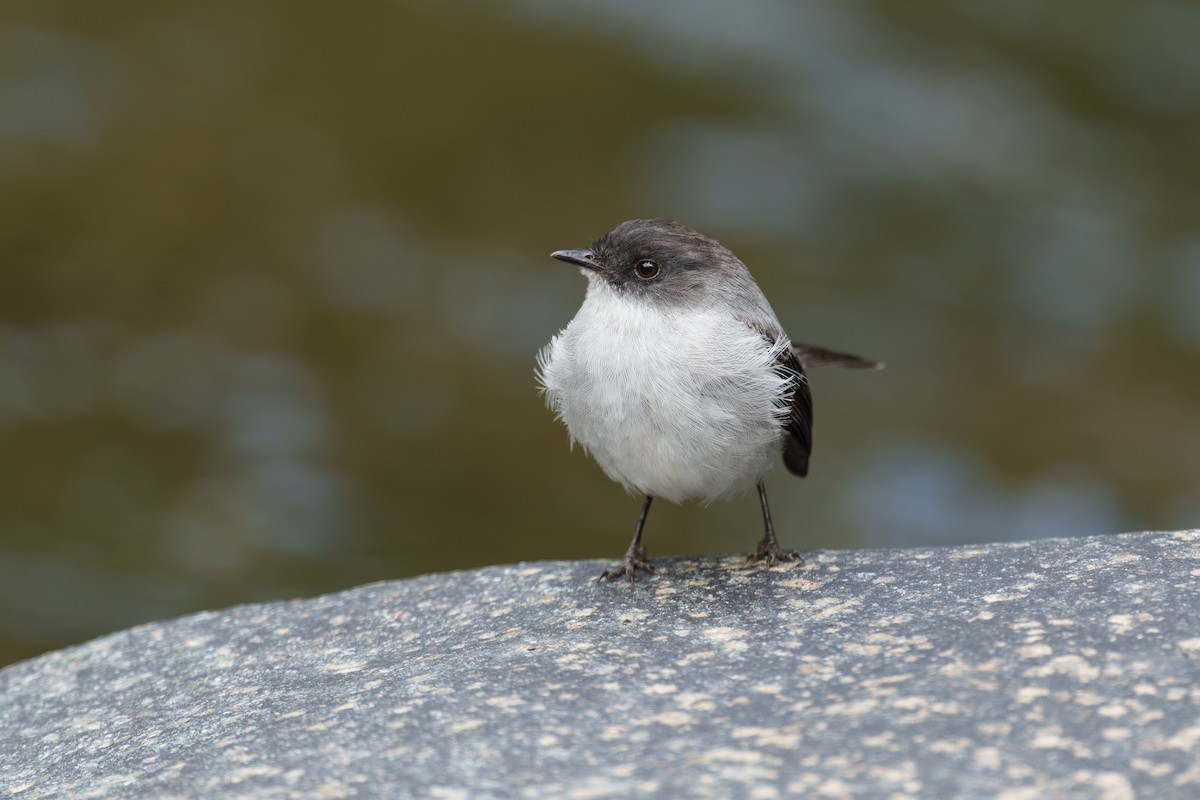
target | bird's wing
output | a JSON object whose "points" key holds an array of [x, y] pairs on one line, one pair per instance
{"points": [[799, 420], [799, 425], [812, 356]]}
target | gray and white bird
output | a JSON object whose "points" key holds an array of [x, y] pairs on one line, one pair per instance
{"points": [[676, 376]]}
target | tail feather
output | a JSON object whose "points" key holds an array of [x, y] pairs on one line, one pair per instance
{"points": [[812, 356]]}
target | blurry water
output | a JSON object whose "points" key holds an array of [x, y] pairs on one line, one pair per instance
{"points": [[272, 278]]}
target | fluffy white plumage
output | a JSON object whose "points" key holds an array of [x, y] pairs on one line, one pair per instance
{"points": [[672, 402]]}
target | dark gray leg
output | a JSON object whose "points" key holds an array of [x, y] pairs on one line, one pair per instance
{"points": [[769, 549], [635, 556]]}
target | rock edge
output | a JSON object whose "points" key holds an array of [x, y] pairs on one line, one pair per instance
{"points": [[1039, 669]]}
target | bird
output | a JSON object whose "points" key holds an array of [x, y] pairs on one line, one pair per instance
{"points": [[677, 377]]}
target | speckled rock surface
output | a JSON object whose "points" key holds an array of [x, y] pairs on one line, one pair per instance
{"points": [[1051, 669]]}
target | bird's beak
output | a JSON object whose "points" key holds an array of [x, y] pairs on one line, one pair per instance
{"points": [[580, 258]]}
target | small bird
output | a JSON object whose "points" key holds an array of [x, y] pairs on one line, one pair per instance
{"points": [[676, 376]]}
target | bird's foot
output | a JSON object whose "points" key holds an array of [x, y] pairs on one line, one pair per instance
{"points": [[635, 559], [770, 551]]}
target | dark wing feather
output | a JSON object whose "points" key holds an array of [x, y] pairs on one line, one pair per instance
{"points": [[799, 426], [799, 422]]}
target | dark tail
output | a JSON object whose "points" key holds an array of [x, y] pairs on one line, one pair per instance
{"points": [[812, 356]]}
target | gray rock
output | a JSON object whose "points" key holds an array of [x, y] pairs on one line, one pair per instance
{"points": [[1053, 668]]}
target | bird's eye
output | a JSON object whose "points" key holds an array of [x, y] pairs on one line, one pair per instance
{"points": [[646, 269]]}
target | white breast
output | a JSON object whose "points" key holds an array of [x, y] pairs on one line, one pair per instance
{"points": [[670, 403]]}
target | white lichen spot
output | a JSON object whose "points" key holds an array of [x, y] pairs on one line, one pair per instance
{"points": [[1073, 666], [1113, 786], [1035, 651], [729, 754], [1189, 776], [1186, 739], [260, 771], [695, 701], [800, 583], [1052, 739], [987, 758], [199, 641], [833, 607], [505, 703], [769, 737], [672, 719], [724, 634], [835, 787], [612, 733], [448, 793], [1025, 793], [692, 658], [1112, 711], [909, 702], [345, 667]]}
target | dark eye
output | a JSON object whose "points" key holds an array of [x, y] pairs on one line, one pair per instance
{"points": [[646, 269]]}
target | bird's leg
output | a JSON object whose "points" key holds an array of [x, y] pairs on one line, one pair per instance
{"points": [[769, 549], [635, 556]]}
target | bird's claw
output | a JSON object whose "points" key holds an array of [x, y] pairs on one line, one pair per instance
{"points": [[772, 553], [634, 560]]}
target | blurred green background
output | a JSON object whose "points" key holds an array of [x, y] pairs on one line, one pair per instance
{"points": [[272, 278]]}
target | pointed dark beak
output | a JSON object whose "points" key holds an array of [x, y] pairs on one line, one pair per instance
{"points": [[580, 258]]}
